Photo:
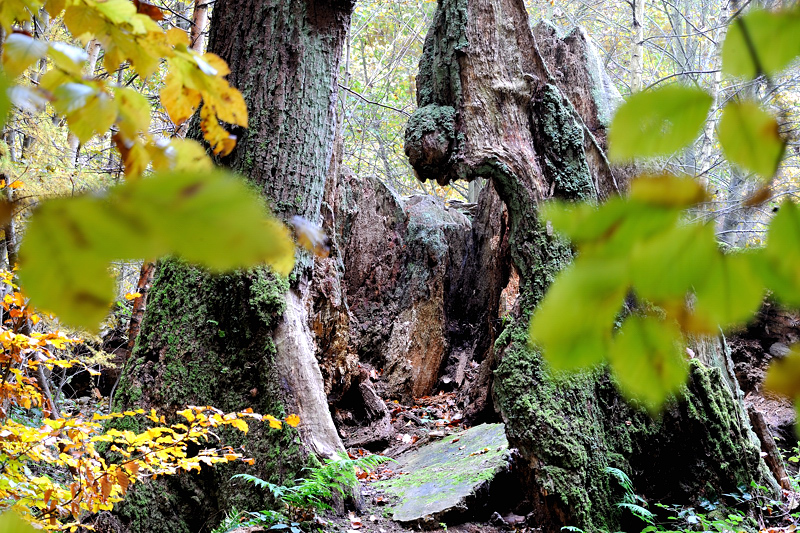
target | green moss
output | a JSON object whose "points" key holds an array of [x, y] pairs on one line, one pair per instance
{"points": [[560, 141], [578, 425], [439, 79]]}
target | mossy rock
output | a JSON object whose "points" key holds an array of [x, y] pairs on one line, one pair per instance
{"points": [[445, 479]]}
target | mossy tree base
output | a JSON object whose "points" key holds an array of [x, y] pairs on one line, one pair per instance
{"points": [[241, 340], [207, 340], [570, 429]]}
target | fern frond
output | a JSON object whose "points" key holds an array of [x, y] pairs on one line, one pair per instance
{"points": [[638, 511]]}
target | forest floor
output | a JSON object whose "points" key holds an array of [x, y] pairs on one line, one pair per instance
{"points": [[428, 420]]}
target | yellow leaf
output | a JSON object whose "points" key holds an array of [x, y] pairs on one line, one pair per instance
{"points": [[83, 21], [134, 112], [240, 424], [177, 36], [216, 62], [293, 420], [133, 295], [180, 102], [16, 184], [188, 414]]}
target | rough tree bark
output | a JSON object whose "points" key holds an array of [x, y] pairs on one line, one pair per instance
{"points": [[528, 110], [242, 340]]}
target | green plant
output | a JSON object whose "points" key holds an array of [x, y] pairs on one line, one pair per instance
{"points": [[688, 519], [312, 494], [630, 501]]}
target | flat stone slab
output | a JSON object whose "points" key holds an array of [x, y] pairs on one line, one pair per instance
{"points": [[443, 478]]}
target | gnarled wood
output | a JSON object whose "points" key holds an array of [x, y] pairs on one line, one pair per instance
{"points": [[527, 109]]}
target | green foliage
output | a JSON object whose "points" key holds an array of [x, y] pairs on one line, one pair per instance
{"points": [[670, 273], [782, 254], [5, 102], [658, 122], [639, 246], [750, 138], [647, 358], [69, 244], [630, 501], [11, 523], [313, 493], [761, 42], [678, 281]]}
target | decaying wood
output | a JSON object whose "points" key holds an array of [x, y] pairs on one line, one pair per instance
{"points": [[772, 455]]}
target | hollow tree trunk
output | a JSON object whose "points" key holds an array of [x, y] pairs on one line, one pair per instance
{"points": [[528, 110], [242, 340]]}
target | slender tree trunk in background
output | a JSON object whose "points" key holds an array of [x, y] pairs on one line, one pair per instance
{"points": [[637, 51], [528, 110], [242, 340], [199, 23], [140, 302], [10, 231]]}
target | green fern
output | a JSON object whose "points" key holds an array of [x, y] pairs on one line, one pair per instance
{"points": [[638, 511], [324, 481]]}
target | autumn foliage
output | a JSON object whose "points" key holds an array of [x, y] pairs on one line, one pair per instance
{"points": [[54, 473]]}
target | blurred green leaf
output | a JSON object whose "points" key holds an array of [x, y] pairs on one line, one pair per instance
{"points": [[666, 190], [10, 522], [657, 122], [21, 51], [591, 293], [750, 138], [667, 266], [64, 259], [780, 268], [647, 357], [584, 222], [771, 36], [5, 101], [732, 291], [209, 218], [783, 376]]}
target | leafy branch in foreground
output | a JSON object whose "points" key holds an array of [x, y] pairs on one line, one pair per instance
{"points": [[70, 242], [644, 278]]}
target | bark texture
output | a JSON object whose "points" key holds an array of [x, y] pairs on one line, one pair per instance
{"points": [[400, 256], [528, 109], [243, 340]]}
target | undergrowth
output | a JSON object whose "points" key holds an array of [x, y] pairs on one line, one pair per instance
{"points": [[306, 498]]}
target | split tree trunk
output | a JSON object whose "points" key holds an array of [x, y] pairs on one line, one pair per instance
{"points": [[242, 340], [528, 110]]}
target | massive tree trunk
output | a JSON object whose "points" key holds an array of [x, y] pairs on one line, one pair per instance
{"points": [[242, 340], [528, 110]]}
